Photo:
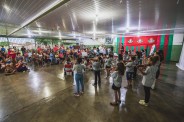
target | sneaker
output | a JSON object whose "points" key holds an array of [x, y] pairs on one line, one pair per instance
{"points": [[140, 101], [76, 95], [113, 103], [143, 103]]}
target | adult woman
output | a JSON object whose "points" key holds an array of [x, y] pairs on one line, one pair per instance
{"points": [[79, 68], [97, 67]]}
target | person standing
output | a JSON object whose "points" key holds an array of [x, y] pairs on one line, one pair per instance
{"points": [[3, 50], [148, 79], [108, 65], [96, 67], [23, 50], [78, 69], [130, 71], [117, 81]]}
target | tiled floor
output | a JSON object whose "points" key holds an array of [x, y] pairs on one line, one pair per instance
{"points": [[44, 95]]}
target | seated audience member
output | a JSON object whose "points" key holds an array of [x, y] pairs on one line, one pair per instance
{"points": [[9, 70], [21, 67], [68, 67], [19, 57], [61, 57]]}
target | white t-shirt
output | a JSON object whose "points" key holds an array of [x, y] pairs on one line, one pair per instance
{"points": [[79, 68], [109, 62], [117, 79], [130, 66], [126, 57], [150, 76]]}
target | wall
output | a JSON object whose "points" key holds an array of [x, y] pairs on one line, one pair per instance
{"points": [[181, 61], [176, 51], [177, 47]]}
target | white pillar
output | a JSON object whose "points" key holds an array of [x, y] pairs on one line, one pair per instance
{"points": [[181, 62]]}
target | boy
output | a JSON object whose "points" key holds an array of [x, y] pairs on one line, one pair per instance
{"points": [[130, 71], [148, 79]]}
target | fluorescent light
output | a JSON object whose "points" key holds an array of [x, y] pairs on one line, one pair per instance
{"points": [[38, 24], [74, 35], [127, 30], [60, 35], [6, 7], [39, 31]]}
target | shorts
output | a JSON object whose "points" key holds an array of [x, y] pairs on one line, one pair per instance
{"points": [[115, 87], [108, 67], [129, 75]]}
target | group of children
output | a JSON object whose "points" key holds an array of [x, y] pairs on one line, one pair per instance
{"points": [[116, 69]]}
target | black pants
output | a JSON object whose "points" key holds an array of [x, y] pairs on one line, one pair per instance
{"points": [[97, 74], [147, 93], [158, 72]]}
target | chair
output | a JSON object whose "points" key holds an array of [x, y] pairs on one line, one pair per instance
{"points": [[68, 69]]}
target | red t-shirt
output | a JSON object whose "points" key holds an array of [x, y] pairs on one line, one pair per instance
{"points": [[12, 55], [55, 49], [39, 49]]}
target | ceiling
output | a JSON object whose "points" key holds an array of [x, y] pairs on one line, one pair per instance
{"points": [[90, 18]]}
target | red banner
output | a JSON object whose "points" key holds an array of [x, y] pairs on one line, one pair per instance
{"points": [[142, 40]]}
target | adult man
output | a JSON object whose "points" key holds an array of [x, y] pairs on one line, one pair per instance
{"points": [[23, 50], [3, 49], [96, 67]]}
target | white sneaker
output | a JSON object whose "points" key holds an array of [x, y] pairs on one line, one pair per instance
{"points": [[143, 103]]}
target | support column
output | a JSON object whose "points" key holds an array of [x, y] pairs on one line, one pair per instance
{"points": [[181, 62]]}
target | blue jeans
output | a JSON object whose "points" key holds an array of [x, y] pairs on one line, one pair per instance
{"points": [[79, 81]]}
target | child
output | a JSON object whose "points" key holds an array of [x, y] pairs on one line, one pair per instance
{"points": [[108, 65], [117, 80], [130, 71], [148, 79], [68, 66]]}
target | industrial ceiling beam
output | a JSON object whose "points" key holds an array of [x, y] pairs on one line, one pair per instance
{"points": [[46, 11]]}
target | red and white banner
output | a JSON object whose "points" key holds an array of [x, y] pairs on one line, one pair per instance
{"points": [[142, 40]]}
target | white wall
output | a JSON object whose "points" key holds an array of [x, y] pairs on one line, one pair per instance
{"points": [[178, 39], [181, 62], [90, 42]]}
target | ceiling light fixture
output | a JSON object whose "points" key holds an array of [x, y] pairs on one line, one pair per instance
{"points": [[60, 35], [38, 24], [39, 31], [74, 35], [6, 7], [127, 30], [29, 33]]}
